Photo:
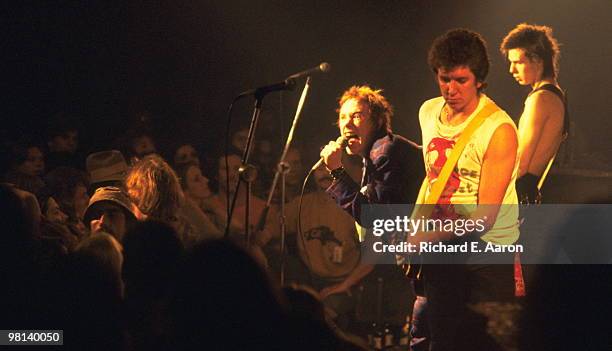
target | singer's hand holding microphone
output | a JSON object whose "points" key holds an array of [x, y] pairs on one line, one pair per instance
{"points": [[331, 155]]}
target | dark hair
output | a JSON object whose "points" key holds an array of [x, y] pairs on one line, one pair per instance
{"points": [[175, 149], [125, 143], [537, 42], [15, 220], [152, 251], [209, 308], [93, 293], [103, 252], [60, 124], [460, 47], [380, 109], [19, 151], [62, 183]]}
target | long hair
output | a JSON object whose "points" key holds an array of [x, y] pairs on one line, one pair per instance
{"points": [[154, 188]]}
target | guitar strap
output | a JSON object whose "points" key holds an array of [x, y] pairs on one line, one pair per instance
{"points": [[451, 161], [566, 126], [549, 165], [438, 186]]}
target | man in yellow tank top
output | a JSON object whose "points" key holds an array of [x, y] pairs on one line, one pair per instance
{"points": [[483, 175]]}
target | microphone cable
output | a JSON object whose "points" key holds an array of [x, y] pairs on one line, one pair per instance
{"points": [[299, 221], [226, 159]]}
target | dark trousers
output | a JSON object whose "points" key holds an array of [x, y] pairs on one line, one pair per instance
{"points": [[463, 297]]}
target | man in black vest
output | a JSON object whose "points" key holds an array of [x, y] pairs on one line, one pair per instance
{"points": [[533, 54]]}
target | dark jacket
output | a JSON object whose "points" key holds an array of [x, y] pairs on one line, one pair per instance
{"points": [[393, 173]]}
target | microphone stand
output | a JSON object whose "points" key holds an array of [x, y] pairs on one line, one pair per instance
{"points": [[281, 171], [247, 172]]}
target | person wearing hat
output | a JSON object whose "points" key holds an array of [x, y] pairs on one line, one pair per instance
{"points": [[106, 168], [110, 211]]}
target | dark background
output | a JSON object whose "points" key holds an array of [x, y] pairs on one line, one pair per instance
{"points": [[106, 61]]}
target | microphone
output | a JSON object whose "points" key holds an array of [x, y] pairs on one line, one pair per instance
{"points": [[287, 84], [324, 67], [343, 143]]}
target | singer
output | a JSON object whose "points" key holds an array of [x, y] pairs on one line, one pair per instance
{"points": [[392, 165]]}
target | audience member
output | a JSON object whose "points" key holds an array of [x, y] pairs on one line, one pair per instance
{"points": [[26, 167], [265, 158], [110, 211], [195, 187], [260, 238], [103, 250], [265, 172], [152, 252], [17, 220], [211, 309], [28, 297], [68, 186], [94, 295], [239, 140], [139, 142], [154, 188], [193, 182], [63, 142], [309, 329], [186, 153], [293, 178], [106, 168], [54, 223]]}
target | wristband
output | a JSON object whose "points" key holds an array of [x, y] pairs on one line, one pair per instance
{"points": [[336, 173]]}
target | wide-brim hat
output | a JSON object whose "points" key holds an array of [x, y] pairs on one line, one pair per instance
{"points": [[108, 194], [106, 166]]}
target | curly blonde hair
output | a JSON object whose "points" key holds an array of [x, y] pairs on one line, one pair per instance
{"points": [[154, 188]]}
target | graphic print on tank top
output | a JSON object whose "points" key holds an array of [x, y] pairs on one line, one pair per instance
{"points": [[438, 151]]}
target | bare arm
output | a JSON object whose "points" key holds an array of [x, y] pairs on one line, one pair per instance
{"points": [[218, 212], [203, 225], [531, 127], [496, 173]]}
